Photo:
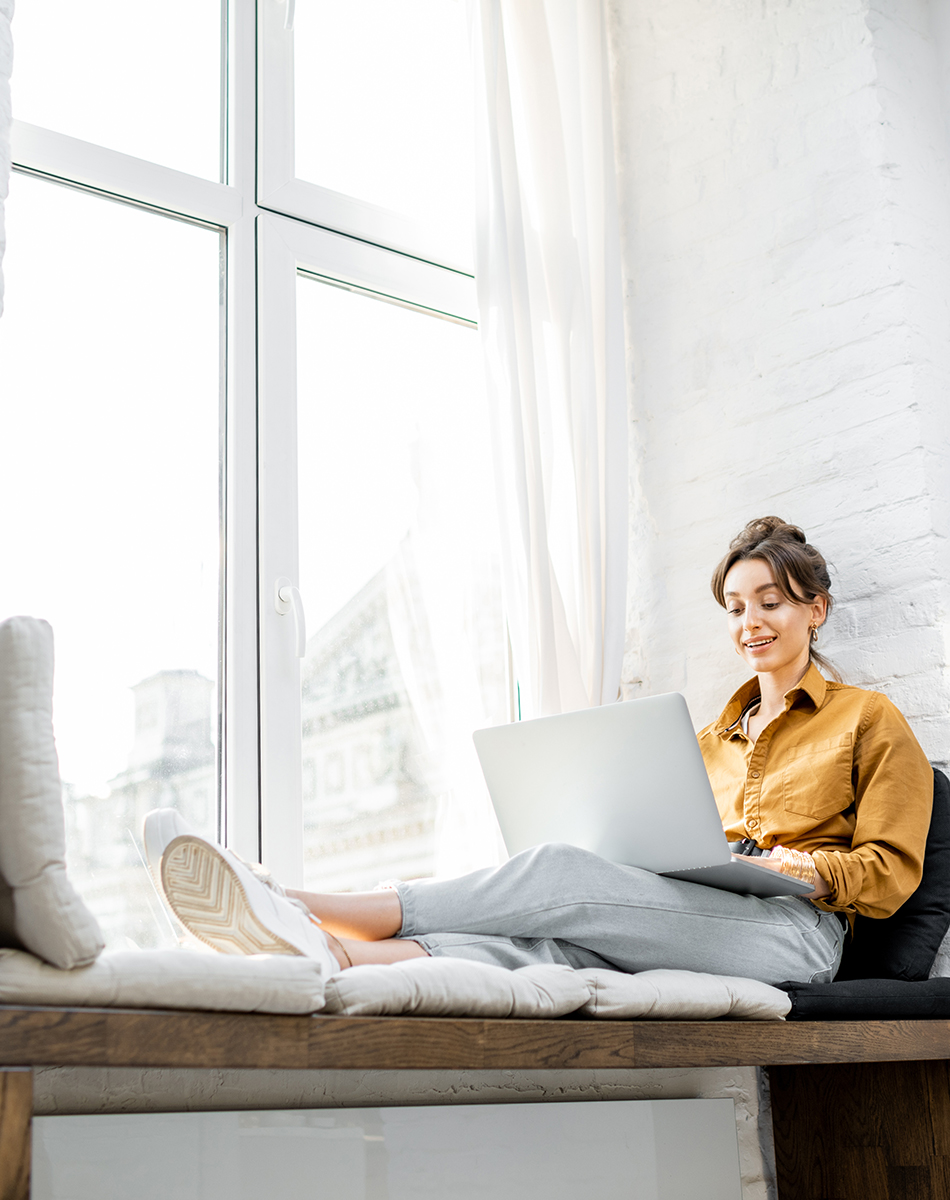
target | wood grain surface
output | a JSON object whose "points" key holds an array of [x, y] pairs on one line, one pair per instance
{"points": [[156, 1038], [16, 1110], [861, 1109], [862, 1131]]}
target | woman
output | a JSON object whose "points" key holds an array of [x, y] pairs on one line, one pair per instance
{"points": [[825, 782]]}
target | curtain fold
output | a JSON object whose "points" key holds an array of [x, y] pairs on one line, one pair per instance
{"points": [[432, 617], [6, 69], [551, 317], [443, 592]]}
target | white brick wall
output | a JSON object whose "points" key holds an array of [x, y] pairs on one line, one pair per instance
{"points": [[786, 222], [786, 215]]}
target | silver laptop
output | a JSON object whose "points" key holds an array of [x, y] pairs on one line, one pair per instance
{"points": [[626, 781]]}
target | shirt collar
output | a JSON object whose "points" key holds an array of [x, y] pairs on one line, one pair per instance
{"points": [[812, 683]]}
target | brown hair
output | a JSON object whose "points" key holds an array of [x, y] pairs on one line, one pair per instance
{"points": [[801, 573]]}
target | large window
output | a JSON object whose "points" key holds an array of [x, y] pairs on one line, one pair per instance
{"points": [[244, 435]]}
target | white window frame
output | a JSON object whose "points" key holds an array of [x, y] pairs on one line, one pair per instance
{"points": [[286, 247], [275, 226]]}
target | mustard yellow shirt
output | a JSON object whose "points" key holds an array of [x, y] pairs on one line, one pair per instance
{"points": [[839, 774]]}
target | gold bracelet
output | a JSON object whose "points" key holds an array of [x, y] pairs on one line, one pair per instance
{"points": [[797, 864]]}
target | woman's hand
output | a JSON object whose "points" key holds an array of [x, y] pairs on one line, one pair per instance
{"points": [[820, 890]]}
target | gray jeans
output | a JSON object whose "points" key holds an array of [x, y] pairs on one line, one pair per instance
{"points": [[559, 904]]}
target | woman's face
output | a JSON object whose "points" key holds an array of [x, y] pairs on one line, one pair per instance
{"points": [[771, 633]]}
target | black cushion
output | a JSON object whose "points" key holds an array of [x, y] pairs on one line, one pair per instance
{"points": [[869, 1000], [903, 946]]}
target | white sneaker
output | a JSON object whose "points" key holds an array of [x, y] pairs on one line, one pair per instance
{"points": [[219, 898], [163, 825]]}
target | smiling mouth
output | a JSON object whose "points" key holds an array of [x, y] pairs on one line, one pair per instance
{"points": [[759, 643]]}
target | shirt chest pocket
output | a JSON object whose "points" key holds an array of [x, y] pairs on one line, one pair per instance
{"points": [[816, 778]]}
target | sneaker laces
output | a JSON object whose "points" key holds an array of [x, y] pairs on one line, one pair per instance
{"points": [[264, 876]]}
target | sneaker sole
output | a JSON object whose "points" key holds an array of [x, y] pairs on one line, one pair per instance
{"points": [[209, 899]]}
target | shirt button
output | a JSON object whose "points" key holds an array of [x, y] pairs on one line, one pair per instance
{"points": [[755, 774], [753, 824]]}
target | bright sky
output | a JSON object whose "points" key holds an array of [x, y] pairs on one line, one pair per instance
{"points": [[140, 78], [392, 76], [108, 454]]}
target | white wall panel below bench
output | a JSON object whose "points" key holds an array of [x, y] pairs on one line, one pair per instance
{"points": [[86, 1090], [627, 1150]]}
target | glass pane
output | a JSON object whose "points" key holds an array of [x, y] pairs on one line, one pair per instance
{"points": [[109, 482], [139, 78], [400, 577], [384, 107]]}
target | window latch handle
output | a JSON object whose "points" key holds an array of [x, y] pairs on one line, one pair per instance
{"points": [[287, 599]]}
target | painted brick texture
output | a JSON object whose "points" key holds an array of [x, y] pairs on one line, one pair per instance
{"points": [[786, 220]]}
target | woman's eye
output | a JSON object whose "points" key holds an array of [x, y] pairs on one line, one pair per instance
{"points": [[734, 612]]}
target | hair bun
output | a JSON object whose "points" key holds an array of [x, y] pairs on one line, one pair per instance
{"points": [[773, 528]]}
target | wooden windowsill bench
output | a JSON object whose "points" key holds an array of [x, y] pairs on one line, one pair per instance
{"points": [[861, 1109]]}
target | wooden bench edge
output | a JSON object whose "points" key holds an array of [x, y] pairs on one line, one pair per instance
{"points": [[33, 1035]]}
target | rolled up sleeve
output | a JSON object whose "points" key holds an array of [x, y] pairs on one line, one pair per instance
{"points": [[893, 797]]}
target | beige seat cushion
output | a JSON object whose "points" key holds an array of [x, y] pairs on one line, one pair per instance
{"points": [[430, 987], [456, 987], [666, 995], [49, 918], [266, 983]]}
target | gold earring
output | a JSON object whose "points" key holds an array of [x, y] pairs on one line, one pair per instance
{"points": [[814, 632]]}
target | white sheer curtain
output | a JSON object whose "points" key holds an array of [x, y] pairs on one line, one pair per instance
{"points": [[444, 607], [433, 619], [6, 68], [550, 311]]}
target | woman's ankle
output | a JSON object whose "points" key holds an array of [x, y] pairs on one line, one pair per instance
{"points": [[381, 953], [339, 951], [355, 916]]}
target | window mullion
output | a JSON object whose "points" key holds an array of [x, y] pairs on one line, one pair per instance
{"points": [[281, 784], [241, 715], [241, 808], [70, 160]]}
